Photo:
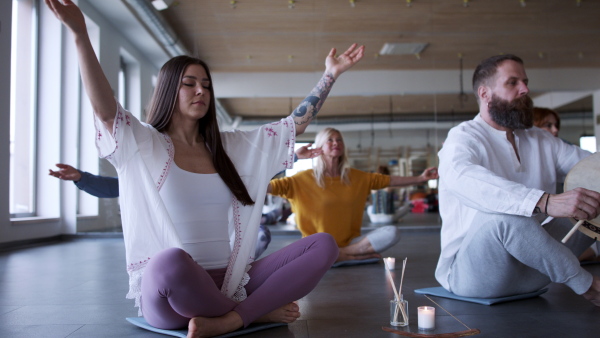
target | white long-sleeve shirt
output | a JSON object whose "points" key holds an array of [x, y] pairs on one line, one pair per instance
{"points": [[479, 171]]}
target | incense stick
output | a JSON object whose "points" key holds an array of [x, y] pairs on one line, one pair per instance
{"points": [[402, 276], [572, 231], [396, 294]]}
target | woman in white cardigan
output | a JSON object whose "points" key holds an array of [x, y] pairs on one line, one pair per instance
{"points": [[188, 194]]}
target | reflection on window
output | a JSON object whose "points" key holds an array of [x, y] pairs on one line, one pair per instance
{"points": [[588, 143], [123, 84], [22, 108]]}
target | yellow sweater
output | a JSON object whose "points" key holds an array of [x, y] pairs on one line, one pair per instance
{"points": [[338, 209]]}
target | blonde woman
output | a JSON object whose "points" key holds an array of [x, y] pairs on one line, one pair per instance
{"points": [[331, 198]]}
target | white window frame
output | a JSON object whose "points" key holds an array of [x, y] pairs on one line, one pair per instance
{"points": [[23, 107]]}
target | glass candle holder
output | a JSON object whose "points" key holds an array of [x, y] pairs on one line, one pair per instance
{"points": [[426, 317], [390, 262], [399, 312]]}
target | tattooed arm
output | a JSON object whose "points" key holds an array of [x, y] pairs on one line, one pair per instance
{"points": [[334, 67]]}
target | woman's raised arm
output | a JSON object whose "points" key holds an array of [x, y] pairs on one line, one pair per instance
{"points": [[94, 81], [334, 67]]}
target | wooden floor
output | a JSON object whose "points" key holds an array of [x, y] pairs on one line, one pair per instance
{"points": [[77, 287]]}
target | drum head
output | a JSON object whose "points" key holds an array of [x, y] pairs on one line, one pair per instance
{"points": [[586, 174]]}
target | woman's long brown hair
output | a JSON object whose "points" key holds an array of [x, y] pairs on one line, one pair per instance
{"points": [[160, 112]]}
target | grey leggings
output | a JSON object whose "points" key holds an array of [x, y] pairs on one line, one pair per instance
{"points": [[510, 255], [381, 238], [175, 288]]}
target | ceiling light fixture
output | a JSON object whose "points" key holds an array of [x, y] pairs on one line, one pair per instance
{"points": [[403, 48], [161, 4]]}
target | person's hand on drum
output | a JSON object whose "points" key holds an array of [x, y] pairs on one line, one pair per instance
{"points": [[578, 203]]}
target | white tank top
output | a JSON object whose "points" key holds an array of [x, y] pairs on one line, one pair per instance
{"points": [[199, 208]]}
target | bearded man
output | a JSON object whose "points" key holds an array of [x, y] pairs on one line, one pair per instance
{"points": [[497, 186]]}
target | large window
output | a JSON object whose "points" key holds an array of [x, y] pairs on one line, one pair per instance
{"points": [[588, 143], [23, 107]]}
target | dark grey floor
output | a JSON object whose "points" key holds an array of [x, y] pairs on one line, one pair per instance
{"points": [[76, 288]]}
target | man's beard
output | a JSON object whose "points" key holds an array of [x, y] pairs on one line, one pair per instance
{"points": [[515, 114]]}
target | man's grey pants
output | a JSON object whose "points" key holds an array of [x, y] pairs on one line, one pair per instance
{"points": [[507, 255]]}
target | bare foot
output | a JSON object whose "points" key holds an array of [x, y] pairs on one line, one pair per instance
{"points": [[285, 314], [349, 257], [357, 251], [593, 294], [199, 327], [588, 255]]}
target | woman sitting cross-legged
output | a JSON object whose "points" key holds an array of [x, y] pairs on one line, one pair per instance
{"points": [[191, 196], [331, 198]]}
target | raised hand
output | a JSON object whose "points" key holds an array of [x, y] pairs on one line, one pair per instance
{"points": [[430, 174], [66, 172], [69, 14], [305, 152], [336, 65]]}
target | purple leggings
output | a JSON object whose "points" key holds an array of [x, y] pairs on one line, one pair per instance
{"points": [[175, 288]]}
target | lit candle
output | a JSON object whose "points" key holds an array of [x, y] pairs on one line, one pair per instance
{"points": [[390, 262], [426, 315]]}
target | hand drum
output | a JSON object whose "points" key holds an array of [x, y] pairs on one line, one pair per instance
{"points": [[586, 174]]}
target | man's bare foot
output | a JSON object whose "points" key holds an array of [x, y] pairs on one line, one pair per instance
{"points": [[589, 255], [357, 251], [285, 314], [199, 327], [593, 294]]}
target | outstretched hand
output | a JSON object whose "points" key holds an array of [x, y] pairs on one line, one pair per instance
{"points": [[66, 172], [430, 174], [305, 152], [336, 65], [69, 14]]}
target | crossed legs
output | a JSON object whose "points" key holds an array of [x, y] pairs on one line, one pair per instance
{"points": [[371, 244], [509, 255], [177, 292]]}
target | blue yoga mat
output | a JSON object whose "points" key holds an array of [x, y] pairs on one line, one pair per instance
{"points": [[356, 262], [141, 322], [441, 292]]}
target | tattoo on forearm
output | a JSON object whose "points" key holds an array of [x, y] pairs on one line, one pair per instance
{"points": [[310, 106]]}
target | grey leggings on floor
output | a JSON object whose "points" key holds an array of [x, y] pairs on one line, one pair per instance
{"points": [[381, 238], [175, 288], [510, 255]]}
